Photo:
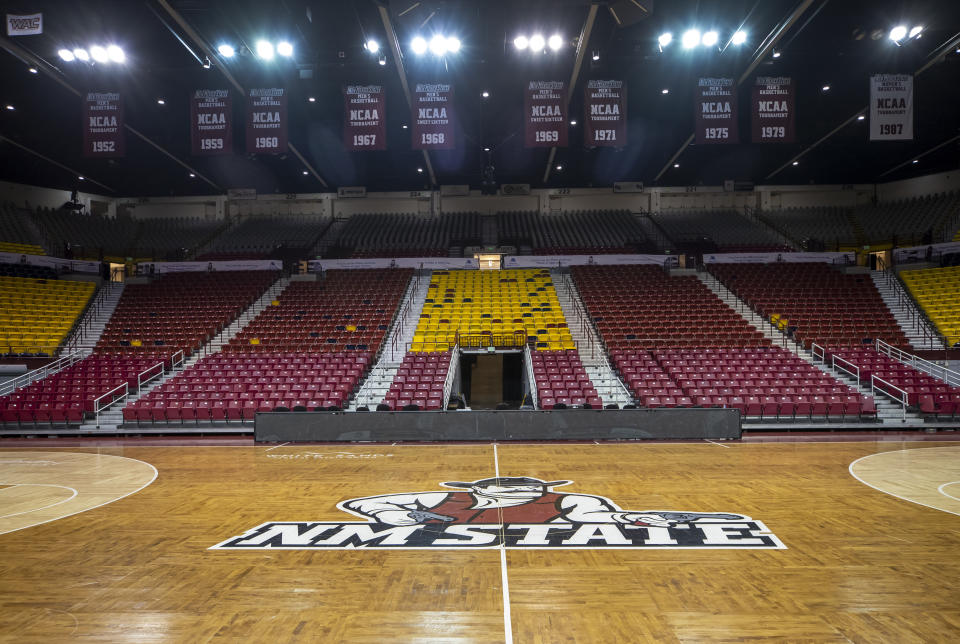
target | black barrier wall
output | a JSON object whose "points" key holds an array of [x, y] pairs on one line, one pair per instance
{"points": [[568, 424]]}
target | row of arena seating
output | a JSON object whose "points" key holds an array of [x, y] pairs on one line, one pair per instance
{"points": [[915, 383], [592, 231], [17, 234], [728, 230], [562, 381], [259, 235], [419, 382], [829, 224], [389, 235], [36, 315], [937, 291]]}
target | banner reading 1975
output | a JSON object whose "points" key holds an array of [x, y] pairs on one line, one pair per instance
{"points": [[716, 111], [365, 118], [103, 125], [267, 121], [545, 114], [211, 120], [433, 117], [605, 107], [772, 108]]}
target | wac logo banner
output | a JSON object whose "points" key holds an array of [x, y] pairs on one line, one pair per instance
{"points": [[506, 512], [28, 25]]}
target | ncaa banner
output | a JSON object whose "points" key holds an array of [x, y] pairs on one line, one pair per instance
{"points": [[545, 107], [267, 121], [27, 25], [365, 117], [716, 111], [891, 107], [433, 117], [211, 129], [605, 104], [103, 125], [772, 108]]}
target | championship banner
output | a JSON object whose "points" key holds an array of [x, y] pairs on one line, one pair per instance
{"points": [[716, 111], [365, 117], [433, 117], [210, 122], [605, 105], [891, 107], [103, 125], [545, 107], [773, 102], [267, 121], [26, 25]]}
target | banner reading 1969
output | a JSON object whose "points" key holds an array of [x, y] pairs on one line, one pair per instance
{"points": [[605, 106], [891, 107], [103, 125], [365, 119], [433, 117], [716, 111], [545, 114], [267, 121], [211, 120], [772, 108]]}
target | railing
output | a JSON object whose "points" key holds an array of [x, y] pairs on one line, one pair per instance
{"points": [[754, 216], [515, 340], [818, 357], [584, 321], [400, 321], [531, 379], [932, 368], [90, 313], [147, 375], [114, 398], [743, 308], [903, 399], [174, 362], [49, 369], [906, 303], [451, 371], [854, 372]]}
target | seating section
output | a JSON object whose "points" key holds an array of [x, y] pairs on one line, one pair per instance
{"points": [[419, 381], [576, 232], [562, 381], [937, 290], [408, 234], [258, 236], [16, 233], [89, 236], [906, 221], [726, 230], [37, 314], [818, 303], [172, 238], [28, 270], [491, 308], [816, 227]]}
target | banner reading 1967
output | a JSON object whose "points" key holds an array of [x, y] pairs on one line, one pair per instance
{"points": [[605, 106], [772, 108], [365, 119], [891, 107], [716, 111], [103, 125], [211, 130], [433, 117], [267, 121], [545, 114]]}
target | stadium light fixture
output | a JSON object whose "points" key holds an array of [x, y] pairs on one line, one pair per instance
{"points": [[898, 33], [915, 161], [32, 70], [825, 88], [573, 122], [11, 107], [486, 149], [66, 55], [739, 37], [665, 90], [116, 54], [226, 50], [915, 32], [861, 117], [160, 101], [521, 42], [193, 176], [710, 38], [312, 99], [596, 55], [676, 165], [691, 38], [99, 54], [665, 39], [559, 168], [285, 49], [420, 170], [372, 46], [438, 45], [453, 44], [795, 163], [404, 126], [419, 46], [555, 42], [80, 178], [485, 94], [305, 173], [537, 43], [382, 60], [264, 50]]}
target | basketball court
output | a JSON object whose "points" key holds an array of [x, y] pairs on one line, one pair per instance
{"points": [[722, 541]]}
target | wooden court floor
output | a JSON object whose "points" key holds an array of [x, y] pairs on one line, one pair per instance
{"points": [[121, 549]]}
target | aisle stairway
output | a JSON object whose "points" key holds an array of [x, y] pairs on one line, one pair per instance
{"points": [[94, 321], [912, 327]]}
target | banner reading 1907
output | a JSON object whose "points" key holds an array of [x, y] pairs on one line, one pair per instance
{"points": [[103, 125], [433, 117], [716, 111], [211, 121], [267, 121], [772, 109], [365, 120], [605, 105], [545, 114]]}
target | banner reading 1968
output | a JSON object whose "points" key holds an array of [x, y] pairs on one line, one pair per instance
{"points": [[211, 130], [716, 111], [365, 119], [891, 107], [267, 121], [433, 117], [605, 105], [103, 125], [772, 108], [545, 114]]}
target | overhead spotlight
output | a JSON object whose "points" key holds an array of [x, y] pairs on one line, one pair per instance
{"points": [[382, 60], [11, 107], [264, 50], [710, 39], [66, 55], [537, 43], [99, 54], [486, 149], [665, 39], [453, 44], [861, 117], [305, 173], [420, 170], [665, 90], [206, 62], [521, 42], [80, 178], [897, 33], [116, 54], [915, 32], [915, 161], [559, 168], [285, 49], [81, 54], [418, 45], [438, 45], [596, 55], [825, 88], [555, 42], [312, 99], [32, 70], [739, 37], [573, 122], [404, 126], [691, 38], [776, 54], [795, 163], [676, 165], [160, 101], [372, 46], [226, 50], [485, 94], [193, 176]]}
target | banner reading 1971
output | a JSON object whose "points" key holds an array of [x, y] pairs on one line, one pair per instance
{"points": [[891, 107], [433, 117], [772, 108], [365, 118], [211, 120], [267, 121], [103, 125], [545, 114], [716, 111], [605, 107]]}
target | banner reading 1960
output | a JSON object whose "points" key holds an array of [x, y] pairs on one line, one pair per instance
{"points": [[545, 114], [891, 107], [211, 120], [433, 117], [103, 125], [716, 111], [365, 119], [605, 107], [772, 109], [267, 121]]}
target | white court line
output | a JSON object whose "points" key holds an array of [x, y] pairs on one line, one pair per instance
{"points": [[276, 446], [902, 498], [716, 443], [949, 496], [13, 485], [507, 623]]}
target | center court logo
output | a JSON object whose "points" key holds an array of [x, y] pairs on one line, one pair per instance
{"points": [[509, 512]]}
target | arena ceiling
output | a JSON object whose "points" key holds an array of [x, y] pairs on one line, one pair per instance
{"points": [[839, 43]]}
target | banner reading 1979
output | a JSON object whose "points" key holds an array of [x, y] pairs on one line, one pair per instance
{"points": [[433, 117], [772, 108], [716, 111], [365, 119], [545, 114], [211, 131], [267, 121], [605, 106], [103, 125]]}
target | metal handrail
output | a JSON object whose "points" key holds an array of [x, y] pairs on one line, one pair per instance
{"points": [[48, 369], [141, 381], [904, 400], [931, 368], [96, 401], [918, 317], [531, 379], [822, 355], [174, 363], [856, 370], [451, 370]]}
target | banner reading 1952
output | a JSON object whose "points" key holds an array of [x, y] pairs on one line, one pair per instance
{"points": [[545, 114], [772, 108], [433, 117], [267, 121], [605, 106], [211, 131], [103, 125], [716, 111], [365, 119]]}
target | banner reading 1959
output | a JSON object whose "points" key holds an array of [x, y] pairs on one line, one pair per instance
{"points": [[772, 108], [267, 121], [433, 117], [545, 109], [605, 105], [891, 107], [211, 130], [716, 111], [365, 119], [103, 125]]}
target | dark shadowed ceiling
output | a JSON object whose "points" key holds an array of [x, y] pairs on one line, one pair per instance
{"points": [[830, 43]]}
